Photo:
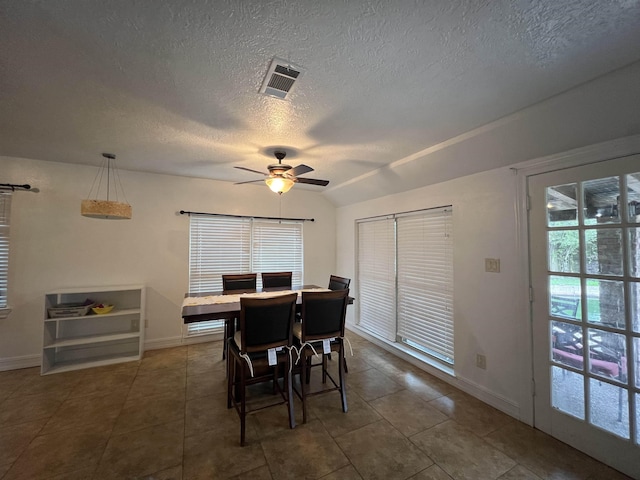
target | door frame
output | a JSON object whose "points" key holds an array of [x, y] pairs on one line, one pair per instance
{"points": [[596, 153]]}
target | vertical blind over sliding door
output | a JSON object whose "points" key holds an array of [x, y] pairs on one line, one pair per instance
{"points": [[376, 277], [425, 281]]}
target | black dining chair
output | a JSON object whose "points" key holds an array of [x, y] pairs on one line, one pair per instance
{"points": [[240, 281], [265, 324], [276, 279], [321, 332], [230, 283], [338, 283]]}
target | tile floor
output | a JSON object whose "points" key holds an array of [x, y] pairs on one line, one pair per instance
{"points": [[165, 417]]}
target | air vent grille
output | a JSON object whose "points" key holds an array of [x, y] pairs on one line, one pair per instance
{"points": [[287, 71], [281, 83], [280, 78]]}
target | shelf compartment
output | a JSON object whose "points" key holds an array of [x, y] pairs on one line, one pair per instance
{"points": [[91, 339], [70, 365], [112, 313], [80, 353], [122, 298], [96, 325]]}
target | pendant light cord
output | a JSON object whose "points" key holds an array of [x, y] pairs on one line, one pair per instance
{"points": [[111, 171]]}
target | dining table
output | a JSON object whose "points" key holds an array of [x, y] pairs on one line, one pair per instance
{"points": [[225, 305]]}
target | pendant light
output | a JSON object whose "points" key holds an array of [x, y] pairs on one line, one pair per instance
{"points": [[107, 180]]}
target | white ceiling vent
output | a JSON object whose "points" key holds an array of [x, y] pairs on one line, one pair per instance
{"points": [[280, 78]]}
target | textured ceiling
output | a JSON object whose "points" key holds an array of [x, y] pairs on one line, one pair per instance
{"points": [[172, 87]]}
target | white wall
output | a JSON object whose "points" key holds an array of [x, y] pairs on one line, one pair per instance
{"points": [[54, 247], [487, 306]]}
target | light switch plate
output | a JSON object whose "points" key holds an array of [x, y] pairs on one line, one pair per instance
{"points": [[481, 361], [492, 265]]}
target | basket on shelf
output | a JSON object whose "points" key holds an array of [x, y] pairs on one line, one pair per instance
{"points": [[70, 309]]}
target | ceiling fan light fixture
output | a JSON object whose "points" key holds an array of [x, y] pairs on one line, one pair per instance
{"points": [[281, 177], [279, 184]]}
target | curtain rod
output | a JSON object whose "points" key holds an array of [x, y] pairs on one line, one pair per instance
{"points": [[184, 212], [13, 186], [398, 214]]}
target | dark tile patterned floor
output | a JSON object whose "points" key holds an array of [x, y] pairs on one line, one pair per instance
{"points": [[166, 418]]}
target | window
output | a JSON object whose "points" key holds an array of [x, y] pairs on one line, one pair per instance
{"points": [[5, 207], [377, 276], [425, 282], [220, 245], [217, 245], [405, 278]]}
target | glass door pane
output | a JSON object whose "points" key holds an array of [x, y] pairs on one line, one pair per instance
{"points": [[585, 269]]}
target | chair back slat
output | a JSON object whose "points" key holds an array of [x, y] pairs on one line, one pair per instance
{"points": [[338, 283], [242, 281], [266, 322], [323, 314], [276, 279]]}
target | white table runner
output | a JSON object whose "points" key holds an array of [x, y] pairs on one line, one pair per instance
{"points": [[235, 298]]}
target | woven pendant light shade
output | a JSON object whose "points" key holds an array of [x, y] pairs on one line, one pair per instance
{"points": [[109, 180], [105, 209]]}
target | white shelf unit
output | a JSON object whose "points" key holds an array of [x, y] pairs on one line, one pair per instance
{"points": [[72, 343]]}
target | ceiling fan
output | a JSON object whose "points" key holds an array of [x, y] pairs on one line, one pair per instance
{"points": [[281, 176]]}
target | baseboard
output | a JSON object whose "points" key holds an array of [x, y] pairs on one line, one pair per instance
{"points": [[28, 361], [159, 343], [481, 393], [443, 373], [210, 337], [16, 363], [170, 342]]}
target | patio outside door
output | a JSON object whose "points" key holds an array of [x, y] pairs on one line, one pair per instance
{"points": [[584, 229]]}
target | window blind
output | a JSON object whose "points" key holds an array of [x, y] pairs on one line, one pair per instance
{"points": [[218, 245], [221, 245], [277, 247], [376, 277], [5, 208], [425, 281]]}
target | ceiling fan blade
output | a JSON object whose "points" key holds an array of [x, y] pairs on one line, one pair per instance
{"points": [[312, 181], [250, 170], [249, 181], [299, 170]]}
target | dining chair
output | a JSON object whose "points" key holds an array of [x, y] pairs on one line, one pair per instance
{"points": [[240, 281], [232, 282], [320, 333], [257, 351], [338, 283], [276, 279]]}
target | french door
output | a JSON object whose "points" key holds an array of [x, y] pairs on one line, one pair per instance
{"points": [[584, 229]]}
